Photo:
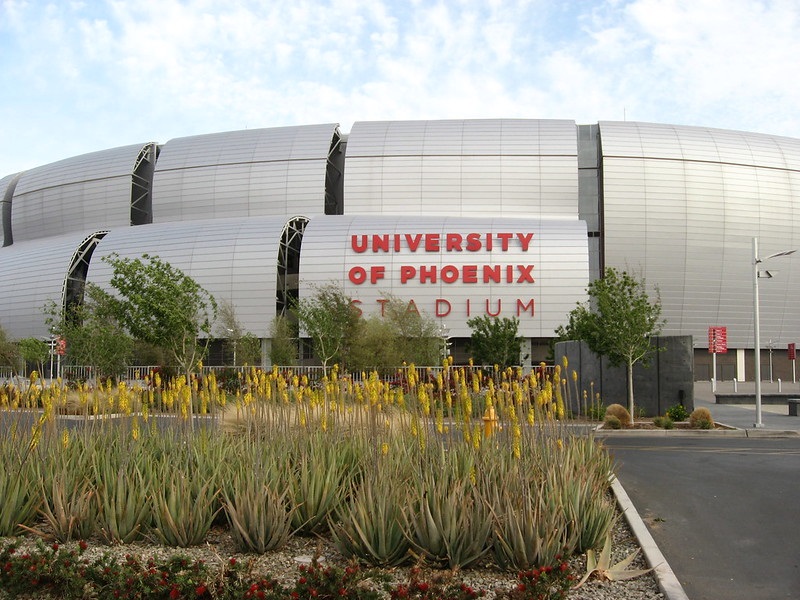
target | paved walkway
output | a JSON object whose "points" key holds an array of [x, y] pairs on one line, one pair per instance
{"points": [[774, 417]]}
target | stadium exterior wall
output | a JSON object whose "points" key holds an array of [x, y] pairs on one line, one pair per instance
{"points": [[677, 205]]}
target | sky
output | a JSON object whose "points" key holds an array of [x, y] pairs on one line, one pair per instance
{"points": [[81, 76]]}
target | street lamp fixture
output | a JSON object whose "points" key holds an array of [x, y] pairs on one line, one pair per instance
{"points": [[756, 324]]}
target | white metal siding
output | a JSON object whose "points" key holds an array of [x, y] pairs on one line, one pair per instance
{"points": [[88, 191], [255, 172], [472, 168], [681, 206], [233, 259], [38, 270]]}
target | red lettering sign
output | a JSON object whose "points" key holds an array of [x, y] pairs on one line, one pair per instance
{"points": [[717, 340]]}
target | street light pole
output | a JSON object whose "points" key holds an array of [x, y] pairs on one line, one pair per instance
{"points": [[756, 324], [757, 333]]}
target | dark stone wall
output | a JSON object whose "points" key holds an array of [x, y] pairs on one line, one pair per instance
{"points": [[667, 381]]}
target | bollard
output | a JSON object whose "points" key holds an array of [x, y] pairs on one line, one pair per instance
{"points": [[779, 385], [735, 386], [489, 421]]}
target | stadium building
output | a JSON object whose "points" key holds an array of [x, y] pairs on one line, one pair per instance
{"points": [[459, 218]]}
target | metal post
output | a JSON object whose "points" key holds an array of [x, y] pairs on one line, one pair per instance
{"points": [[756, 334]]}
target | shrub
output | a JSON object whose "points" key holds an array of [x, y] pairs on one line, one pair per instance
{"points": [[664, 422], [620, 412], [612, 422], [678, 412], [701, 418]]}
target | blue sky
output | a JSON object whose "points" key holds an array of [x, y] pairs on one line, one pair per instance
{"points": [[80, 76]]}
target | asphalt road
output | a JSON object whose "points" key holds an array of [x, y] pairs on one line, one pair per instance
{"points": [[724, 511]]}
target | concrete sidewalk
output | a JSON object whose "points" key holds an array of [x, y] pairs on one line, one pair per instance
{"points": [[774, 417]]}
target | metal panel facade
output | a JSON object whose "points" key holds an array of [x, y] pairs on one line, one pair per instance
{"points": [[472, 168], [88, 191], [256, 172], [39, 269], [233, 259], [453, 268], [681, 206]]}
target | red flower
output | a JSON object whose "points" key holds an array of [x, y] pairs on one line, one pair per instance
{"points": [[200, 590], [174, 593]]}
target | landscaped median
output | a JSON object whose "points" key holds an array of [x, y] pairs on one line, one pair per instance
{"points": [[380, 491]]}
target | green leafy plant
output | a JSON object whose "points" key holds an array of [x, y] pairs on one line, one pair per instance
{"points": [[678, 412], [441, 586], [663, 422], [549, 582]]}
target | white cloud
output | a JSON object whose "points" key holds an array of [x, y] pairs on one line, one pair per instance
{"points": [[79, 77]]}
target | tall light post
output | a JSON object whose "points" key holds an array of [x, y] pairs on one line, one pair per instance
{"points": [[756, 324]]}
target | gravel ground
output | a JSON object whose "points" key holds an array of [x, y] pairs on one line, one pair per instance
{"points": [[283, 564]]}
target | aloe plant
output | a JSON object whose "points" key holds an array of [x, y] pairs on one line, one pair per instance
{"points": [[20, 497], [601, 565], [124, 512], [320, 477], [447, 523], [369, 525], [260, 518], [530, 529], [69, 510], [183, 510]]}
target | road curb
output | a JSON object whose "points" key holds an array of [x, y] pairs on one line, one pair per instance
{"points": [[667, 581]]}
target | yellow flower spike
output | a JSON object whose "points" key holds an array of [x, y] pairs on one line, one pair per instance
{"points": [[477, 438], [64, 438], [564, 361], [531, 416], [574, 375], [135, 429], [439, 421], [384, 448], [450, 359]]}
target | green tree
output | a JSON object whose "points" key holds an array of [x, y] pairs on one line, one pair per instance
{"points": [[330, 320], [33, 350], [283, 336], [617, 321], [9, 351], [495, 340], [93, 334], [243, 348], [159, 304]]}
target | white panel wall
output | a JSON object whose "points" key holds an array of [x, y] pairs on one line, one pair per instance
{"points": [[34, 273], [557, 252], [681, 205], [5, 208], [88, 191], [255, 172], [233, 259], [472, 168]]}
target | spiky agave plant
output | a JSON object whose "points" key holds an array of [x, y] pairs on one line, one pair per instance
{"points": [[259, 516], [368, 525]]}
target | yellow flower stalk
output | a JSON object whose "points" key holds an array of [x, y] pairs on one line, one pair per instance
{"points": [[65, 438]]}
